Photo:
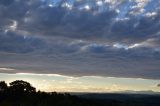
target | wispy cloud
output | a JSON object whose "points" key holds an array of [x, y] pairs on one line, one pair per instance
{"points": [[6, 69]]}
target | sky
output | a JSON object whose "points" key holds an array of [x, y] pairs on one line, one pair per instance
{"points": [[81, 45]]}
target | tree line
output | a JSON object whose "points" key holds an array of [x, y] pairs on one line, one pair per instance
{"points": [[22, 93]]}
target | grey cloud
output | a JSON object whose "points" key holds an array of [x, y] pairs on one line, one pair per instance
{"points": [[6, 2], [39, 19], [13, 43], [111, 63], [86, 25], [70, 59], [104, 40]]}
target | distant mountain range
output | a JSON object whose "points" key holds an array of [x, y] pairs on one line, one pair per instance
{"points": [[139, 92], [147, 92]]}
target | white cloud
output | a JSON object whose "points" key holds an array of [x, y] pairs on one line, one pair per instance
{"points": [[151, 14], [87, 7], [120, 46], [67, 5], [6, 69], [139, 8], [14, 25], [99, 3]]}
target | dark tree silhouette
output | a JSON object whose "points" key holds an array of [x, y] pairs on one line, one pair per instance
{"points": [[21, 86], [3, 86]]}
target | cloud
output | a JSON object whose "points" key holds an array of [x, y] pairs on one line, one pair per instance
{"points": [[109, 61], [6, 2], [117, 38], [14, 43], [6, 69], [39, 18]]}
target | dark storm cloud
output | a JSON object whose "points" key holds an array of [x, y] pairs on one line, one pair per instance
{"points": [[117, 38]]}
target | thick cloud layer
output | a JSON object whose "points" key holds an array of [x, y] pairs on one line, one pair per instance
{"points": [[119, 38]]}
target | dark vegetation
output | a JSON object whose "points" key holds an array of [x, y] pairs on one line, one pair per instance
{"points": [[21, 93]]}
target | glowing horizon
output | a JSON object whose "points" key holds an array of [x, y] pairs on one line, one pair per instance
{"points": [[62, 83]]}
